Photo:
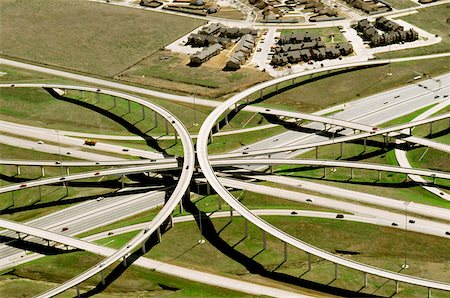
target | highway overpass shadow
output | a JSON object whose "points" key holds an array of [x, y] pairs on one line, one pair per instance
{"points": [[212, 236], [121, 268], [33, 246], [150, 141]]}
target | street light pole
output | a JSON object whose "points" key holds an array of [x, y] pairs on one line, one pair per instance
{"points": [[59, 151], [405, 265], [195, 111], [389, 63]]}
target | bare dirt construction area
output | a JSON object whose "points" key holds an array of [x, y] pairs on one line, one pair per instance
{"points": [[171, 71], [94, 38]]}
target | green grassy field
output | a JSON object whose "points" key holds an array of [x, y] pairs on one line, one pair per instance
{"points": [[402, 4], [433, 20], [43, 274], [317, 94], [426, 255], [91, 37], [390, 185], [171, 71]]}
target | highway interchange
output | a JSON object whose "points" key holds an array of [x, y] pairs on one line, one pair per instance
{"points": [[353, 121], [240, 209]]}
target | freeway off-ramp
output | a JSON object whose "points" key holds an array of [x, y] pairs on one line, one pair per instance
{"points": [[296, 243]]}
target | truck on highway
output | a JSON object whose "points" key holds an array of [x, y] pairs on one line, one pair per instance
{"points": [[90, 142]]}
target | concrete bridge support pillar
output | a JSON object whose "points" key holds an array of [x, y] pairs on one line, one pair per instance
{"points": [[40, 192], [226, 117], [66, 186], [410, 131], [67, 171], [114, 102], [171, 221], [78, 290], [82, 94], [340, 149], [143, 248], [143, 112], [97, 97], [431, 128], [218, 127], [317, 152], [231, 214], [129, 106], [293, 81], [335, 271], [276, 87], [379, 175], [365, 279], [271, 169], [264, 239], [208, 188], [176, 135], [396, 287], [167, 127], [12, 198], [365, 144], [429, 292], [219, 202], [211, 136], [122, 181], [124, 261], [158, 234], [42, 171], [103, 277], [18, 170], [155, 116], [324, 171], [181, 206], [352, 173], [261, 93]]}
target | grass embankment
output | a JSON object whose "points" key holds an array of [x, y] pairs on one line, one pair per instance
{"points": [[324, 33], [390, 185], [210, 204], [402, 4], [433, 20], [171, 71], [82, 43], [229, 13], [438, 131], [317, 94], [43, 274], [426, 255]]}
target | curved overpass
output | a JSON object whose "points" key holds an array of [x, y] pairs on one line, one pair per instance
{"points": [[384, 131], [202, 154], [330, 163], [175, 198]]}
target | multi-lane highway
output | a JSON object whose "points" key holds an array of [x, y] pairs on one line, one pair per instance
{"points": [[188, 166], [202, 154]]}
